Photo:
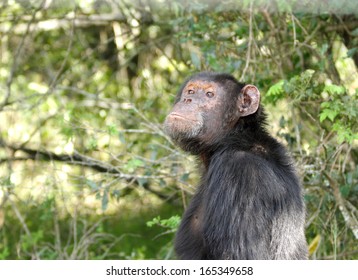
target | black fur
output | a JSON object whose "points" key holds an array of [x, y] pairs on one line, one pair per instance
{"points": [[249, 203]]}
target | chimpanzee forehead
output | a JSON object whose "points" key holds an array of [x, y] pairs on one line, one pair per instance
{"points": [[203, 84], [212, 76], [219, 79], [214, 80]]}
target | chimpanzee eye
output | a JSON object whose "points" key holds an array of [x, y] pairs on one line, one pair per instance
{"points": [[190, 91], [210, 94]]}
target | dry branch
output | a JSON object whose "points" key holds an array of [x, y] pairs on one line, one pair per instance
{"points": [[350, 220], [80, 160], [58, 23]]}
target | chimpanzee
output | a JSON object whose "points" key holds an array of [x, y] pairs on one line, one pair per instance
{"points": [[249, 202]]}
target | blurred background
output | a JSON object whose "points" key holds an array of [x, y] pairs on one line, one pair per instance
{"points": [[86, 171]]}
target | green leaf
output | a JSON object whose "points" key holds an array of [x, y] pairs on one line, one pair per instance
{"points": [[92, 185], [171, 223], [282, 122], [275, 92], [4, 254], [142, 181], [195, 59], [105, 199], [314, 244], [112, 129], [121, 137], [345, 190], [276, 89], [354, 32], [326, 104], [352, 52], [322, 116], [334, 89], [184, 177], [162, 183], [116, 194], [133, 164], [92, 144], [332, 114], [153, 222], [324, 49], [327, 113]]}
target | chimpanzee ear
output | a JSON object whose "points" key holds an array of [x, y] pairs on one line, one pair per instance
{"points": [[249, 100]]}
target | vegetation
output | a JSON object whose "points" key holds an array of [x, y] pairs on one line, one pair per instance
{"points": [[86, 171]]}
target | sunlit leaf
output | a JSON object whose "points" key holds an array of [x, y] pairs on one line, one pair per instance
{"points": [[314, 244]]}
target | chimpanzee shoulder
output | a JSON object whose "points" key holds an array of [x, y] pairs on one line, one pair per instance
{"points": [[249, 202]]}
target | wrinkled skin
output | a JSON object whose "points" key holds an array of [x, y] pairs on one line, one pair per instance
{"points": [[198, 116]]}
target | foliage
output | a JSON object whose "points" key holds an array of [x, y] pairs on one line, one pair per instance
{"points": [[86, 85], [171, 223], [340, 107]]}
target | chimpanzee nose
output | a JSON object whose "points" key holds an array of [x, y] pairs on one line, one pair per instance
{"points": [[187, 100]]}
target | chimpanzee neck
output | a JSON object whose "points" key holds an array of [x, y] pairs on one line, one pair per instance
{"points": [[242, 139], [248, 134], [205, 159]]}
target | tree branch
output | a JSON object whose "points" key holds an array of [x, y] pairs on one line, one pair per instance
{"points": [[350, 220], [74, 159], [81, 160], [65, 23]]}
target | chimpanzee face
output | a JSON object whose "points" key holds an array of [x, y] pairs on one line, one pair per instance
{"points": [[207, 109]]}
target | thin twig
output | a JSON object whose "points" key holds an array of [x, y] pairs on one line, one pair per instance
{"points": [[350, 220], [25, 228], [248, 53], [294, 31], [17, 56]]}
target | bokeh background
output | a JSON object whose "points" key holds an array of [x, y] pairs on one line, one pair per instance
{"points": [[86, 171]]}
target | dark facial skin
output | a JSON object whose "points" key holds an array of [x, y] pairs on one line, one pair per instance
{"points": [[206, 111], [198, 106]]}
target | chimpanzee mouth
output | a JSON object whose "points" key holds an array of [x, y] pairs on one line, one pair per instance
{"points": [[175, 115]]}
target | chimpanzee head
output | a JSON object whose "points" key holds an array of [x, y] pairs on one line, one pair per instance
{"points": [[207, 107]]}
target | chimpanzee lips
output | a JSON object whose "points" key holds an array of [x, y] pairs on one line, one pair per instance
{"points": [[174, 115]]}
